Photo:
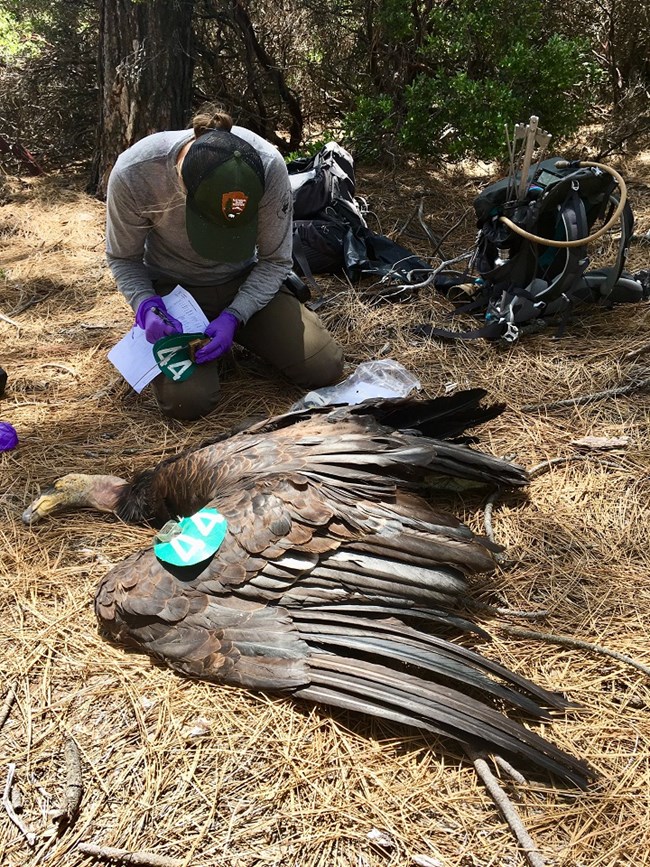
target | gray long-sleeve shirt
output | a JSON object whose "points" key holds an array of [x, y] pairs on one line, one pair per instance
{"points": [[145, 226]]}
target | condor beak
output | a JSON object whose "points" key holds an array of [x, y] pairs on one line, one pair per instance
{"points": [[49, 501]]}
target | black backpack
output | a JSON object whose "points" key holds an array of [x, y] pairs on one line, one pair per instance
{"points": [[330, 230], [522, 284]]}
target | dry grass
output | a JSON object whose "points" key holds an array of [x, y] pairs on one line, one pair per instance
{"points": [[214, 776]]}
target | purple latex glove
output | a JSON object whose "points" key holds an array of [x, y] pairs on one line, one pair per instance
{"points": [[153, 318], [8, 436], [222, 331]]}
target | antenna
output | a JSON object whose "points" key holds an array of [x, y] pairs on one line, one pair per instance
{"points": [[530, 137]]}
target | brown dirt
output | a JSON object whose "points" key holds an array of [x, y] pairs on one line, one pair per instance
{"points": [[269, 782]]}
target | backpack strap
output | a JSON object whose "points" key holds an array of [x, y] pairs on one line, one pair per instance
{"points": [[490, 332], [310, 292], [300, 259], [572, 225], [604, 280]]}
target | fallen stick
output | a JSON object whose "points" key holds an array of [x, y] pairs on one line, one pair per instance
{"points": [[143, 859], [63, 367], [10, 321], [30, 836], [16, 798], [576, 643], [640, 350], [508, 810], [590, 398], [74, 785], [508, 769], [5, 710], [36, 299], [504, 611]]}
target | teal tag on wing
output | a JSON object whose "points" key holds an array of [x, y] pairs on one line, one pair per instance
{"points": [[192, 540]]}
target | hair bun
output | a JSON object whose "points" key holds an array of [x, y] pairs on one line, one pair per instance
{"points": [[211, 117]]}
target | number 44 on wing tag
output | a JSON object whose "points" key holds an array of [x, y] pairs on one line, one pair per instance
{"points": [[174, 355], [192, 540]]}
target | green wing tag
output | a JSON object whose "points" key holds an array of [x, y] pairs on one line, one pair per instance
{"points": [[192, 540], [175, 355]]}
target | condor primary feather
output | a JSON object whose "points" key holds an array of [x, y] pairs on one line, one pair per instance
{"points": [[336, 581]]}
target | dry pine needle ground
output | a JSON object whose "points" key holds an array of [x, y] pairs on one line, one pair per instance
{"points": [[214, 776]]}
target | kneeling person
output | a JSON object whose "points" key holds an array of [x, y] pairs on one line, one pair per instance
{"points": [[211, 209]]}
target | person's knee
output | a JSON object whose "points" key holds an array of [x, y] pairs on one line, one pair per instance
{"points": [[187, 410], [325, 367]]}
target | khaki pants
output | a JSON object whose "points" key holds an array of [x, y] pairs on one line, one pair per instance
{"points": [[285, 334]]}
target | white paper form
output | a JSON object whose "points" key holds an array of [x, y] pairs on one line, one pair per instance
{"points": [[133, 354]]}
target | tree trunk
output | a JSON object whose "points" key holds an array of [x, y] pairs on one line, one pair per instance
{"points": [[145, 75]]}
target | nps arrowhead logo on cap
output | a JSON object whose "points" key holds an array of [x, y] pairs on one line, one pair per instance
{"points": [[234, 204], [224, 179]]}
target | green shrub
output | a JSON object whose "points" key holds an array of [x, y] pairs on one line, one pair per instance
{"points": [[473, 67], [370, 128]]}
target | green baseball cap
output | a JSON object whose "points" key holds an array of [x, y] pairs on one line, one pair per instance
{"points": [[224, 179]]}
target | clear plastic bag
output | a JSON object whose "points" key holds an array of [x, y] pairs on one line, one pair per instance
{"points": [[382, 378]]}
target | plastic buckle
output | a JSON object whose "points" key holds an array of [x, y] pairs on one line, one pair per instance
{"points": [[511, 334]]}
